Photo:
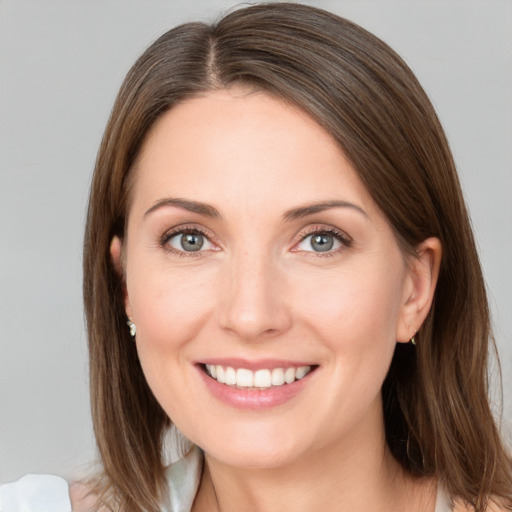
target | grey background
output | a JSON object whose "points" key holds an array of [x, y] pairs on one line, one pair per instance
{"points": [[61, 63]]}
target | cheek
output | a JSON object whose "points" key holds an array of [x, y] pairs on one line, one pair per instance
{"points": [[354, 314], [168, 305], [170, 309], [354, 307]]}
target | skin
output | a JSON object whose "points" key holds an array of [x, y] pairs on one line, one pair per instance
{"points": [[258, 290]]}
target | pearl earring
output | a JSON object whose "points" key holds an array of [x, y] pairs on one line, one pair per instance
{"points": [[133, 328]]}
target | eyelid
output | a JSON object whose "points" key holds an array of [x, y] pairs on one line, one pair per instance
{"points": [[184, 229], [340, 235]]}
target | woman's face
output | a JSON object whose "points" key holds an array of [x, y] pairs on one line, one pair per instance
{"points": [[255, 255]]}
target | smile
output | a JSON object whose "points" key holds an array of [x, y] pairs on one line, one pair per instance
{"points": [[260, 379], [256, 385]]}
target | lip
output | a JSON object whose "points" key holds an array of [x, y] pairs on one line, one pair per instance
{"points": [[254, 399]]}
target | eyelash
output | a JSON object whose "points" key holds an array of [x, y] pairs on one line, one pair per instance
{"points": [[340, 236], [182, 230]]}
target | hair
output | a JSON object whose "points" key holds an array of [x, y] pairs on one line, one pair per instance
{"points": [[438, 420]]}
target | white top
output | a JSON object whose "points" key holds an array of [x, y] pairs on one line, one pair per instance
{"points": [[35, 493], [49, 493], [443, 503]]}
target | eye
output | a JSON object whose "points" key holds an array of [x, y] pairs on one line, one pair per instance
{"points": [[190, 240], [323, 241]]}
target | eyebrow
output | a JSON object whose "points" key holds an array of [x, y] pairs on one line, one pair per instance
{"points": [[293, 214], [191, 206], [311, 209]]}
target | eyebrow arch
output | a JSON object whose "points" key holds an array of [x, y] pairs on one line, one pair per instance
{"points": [[310, 209], [191, 206]]}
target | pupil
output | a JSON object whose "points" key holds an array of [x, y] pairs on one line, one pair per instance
{"points": [[192, 242], [322, 243]]}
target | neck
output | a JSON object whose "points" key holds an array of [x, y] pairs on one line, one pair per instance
{"points": [[357, 474]]}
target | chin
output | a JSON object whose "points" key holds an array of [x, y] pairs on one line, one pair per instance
{"points": [[254, 450], [254, 458]]}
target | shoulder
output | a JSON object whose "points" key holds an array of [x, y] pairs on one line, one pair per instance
{"points": [[36, 492], [47, 492], [83, 499]]}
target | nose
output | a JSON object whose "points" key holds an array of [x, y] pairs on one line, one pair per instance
{"points": [[254, 303]]}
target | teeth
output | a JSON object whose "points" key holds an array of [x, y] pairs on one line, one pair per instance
{"points": [[230, 376], [244, 378], [277, 377], [301, 372], [221, 375], [289, 375], [261, 379]]}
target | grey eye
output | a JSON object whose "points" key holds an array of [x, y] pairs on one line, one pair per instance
{"points": [[189, 242], [322, 242]]}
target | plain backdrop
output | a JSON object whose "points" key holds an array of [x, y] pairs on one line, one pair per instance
{"points": [[61, 63]]}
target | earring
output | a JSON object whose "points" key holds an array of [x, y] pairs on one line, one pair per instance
{"points": [[133, 328], [413, 341]]}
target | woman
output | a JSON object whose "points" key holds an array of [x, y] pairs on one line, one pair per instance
{"points": [[276, 215]]}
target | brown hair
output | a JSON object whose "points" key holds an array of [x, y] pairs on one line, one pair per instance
{"points": [[437, 415]]}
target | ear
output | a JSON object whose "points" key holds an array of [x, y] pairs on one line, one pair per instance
{"points": [[116, 256], [419, 288]]}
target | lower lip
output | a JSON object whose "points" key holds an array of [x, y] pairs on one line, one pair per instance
{"points": [[254, 399]]}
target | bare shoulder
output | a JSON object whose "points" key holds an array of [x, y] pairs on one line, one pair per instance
{"points": [[82, 499]]}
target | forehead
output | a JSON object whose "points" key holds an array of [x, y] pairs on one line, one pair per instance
{"points": [[246, 145]]}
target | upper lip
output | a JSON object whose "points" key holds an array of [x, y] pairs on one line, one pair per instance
{"points": [[254, 365]]}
